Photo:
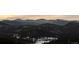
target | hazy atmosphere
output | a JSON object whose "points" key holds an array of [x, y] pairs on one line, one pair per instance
{"points": [[34, 17]]}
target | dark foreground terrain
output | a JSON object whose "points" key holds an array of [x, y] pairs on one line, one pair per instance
{"points": [[39, 32]]}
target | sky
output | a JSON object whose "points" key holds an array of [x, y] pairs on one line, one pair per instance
{"points": [[34, 17]]}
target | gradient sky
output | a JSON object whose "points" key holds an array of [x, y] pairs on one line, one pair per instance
{"points": [[66, 17]]}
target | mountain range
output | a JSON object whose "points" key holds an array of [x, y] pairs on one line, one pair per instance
{"points": [[19, 22]]}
